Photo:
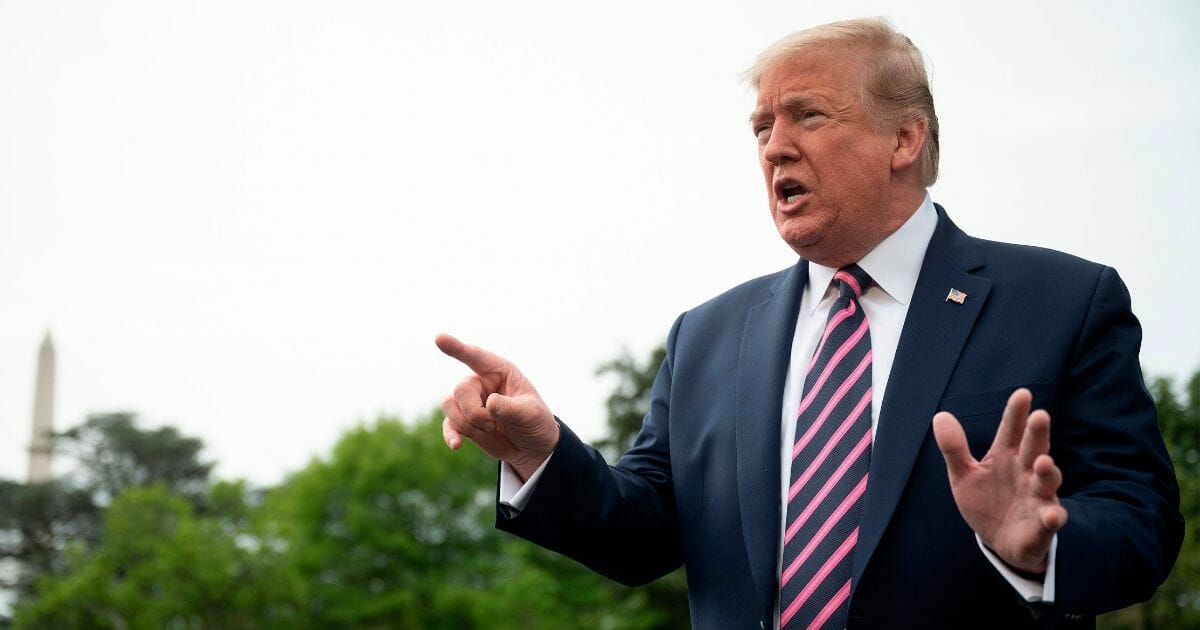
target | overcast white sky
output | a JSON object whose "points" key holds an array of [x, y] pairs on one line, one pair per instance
{"points": [[248, 219]]}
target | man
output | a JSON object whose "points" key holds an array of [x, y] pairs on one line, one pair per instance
{"points": [[789, 460]]}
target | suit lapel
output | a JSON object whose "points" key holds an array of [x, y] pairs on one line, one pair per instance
{"points": [[933, 336], [762, 368]]}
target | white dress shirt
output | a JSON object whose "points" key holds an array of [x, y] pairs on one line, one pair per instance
{"points": [[894, 265]]}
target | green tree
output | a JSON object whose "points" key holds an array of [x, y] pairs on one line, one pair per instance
{"points": [[372, 529], [36, 521], [111, 453], [1176, 604], [159, 565], [395, 530]]}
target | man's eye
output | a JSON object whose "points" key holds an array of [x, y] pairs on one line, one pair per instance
{"points": [[809, 114], [762, 133]]}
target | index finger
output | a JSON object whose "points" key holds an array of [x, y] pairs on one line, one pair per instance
{"points": [[479, 360]]}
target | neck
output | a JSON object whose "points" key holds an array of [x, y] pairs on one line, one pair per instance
{"points": [[897, 209]]}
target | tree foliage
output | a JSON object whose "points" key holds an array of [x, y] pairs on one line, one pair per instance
{"points": [[159, 565], [38, 521], [373, 529], [395, 530], [114, 454]]}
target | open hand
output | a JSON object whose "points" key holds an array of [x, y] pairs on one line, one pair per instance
{"points": [[497, 409], [1008, 497]]}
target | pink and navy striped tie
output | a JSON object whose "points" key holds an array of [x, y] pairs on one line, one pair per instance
{"points": [[830, 460]]}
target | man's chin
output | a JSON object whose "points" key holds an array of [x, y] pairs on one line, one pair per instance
{"points": [[813, 247], [800, 234]]}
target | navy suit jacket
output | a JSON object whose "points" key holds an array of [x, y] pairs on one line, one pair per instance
{"points": [[701, 485]]}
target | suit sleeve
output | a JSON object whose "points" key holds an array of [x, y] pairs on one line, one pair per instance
{"points": [[1124, 528], [618, 520]]}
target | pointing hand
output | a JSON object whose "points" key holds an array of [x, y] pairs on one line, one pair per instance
{"points": [[497, 409]]}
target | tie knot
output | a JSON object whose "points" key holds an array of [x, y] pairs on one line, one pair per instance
{"points": [[852, 281]]}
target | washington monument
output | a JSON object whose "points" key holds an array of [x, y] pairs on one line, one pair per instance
{"points": [[43, 416]]}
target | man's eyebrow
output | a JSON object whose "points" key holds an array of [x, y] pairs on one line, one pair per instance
{"points": [[790, 103]]}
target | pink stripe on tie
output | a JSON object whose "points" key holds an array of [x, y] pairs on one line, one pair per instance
{"points": [[834, 320], [834, 360], [862, 445], [837, 397], [825, 527], [849, 279], [831, 607], [832, 442], [824, 571]]}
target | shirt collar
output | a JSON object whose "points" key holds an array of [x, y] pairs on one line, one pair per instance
{"points": [[895, 262]]}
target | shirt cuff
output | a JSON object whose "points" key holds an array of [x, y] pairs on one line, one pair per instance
{"points": [[1032, 591], [514, 494]]}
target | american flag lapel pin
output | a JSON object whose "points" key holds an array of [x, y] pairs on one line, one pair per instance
{"points": [[956, 296]]}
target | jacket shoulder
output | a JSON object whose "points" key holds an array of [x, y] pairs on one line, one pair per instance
{"points": [[1036, 271], [1009, 261], [1033, 257]]}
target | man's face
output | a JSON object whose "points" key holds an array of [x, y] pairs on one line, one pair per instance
{"points": [[827, 169]]}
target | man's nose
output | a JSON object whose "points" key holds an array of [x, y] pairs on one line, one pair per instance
{"points": [[780, 147]]}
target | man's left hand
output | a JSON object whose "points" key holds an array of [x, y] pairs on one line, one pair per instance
{"points": [[1008, 497]]}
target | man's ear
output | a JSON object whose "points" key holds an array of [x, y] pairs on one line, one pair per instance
{"points": [[910, 141]]}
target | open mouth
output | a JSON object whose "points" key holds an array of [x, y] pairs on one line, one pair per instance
{"points": [[791, 192]]}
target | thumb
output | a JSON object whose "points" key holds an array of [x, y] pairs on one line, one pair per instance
{"points": [[511, 408], [953, 443]]}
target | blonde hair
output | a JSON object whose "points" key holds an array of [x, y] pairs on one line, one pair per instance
{"points": [[894, 86]]}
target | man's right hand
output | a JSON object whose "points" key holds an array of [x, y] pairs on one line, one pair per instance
{"points": [[497, 409]]}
